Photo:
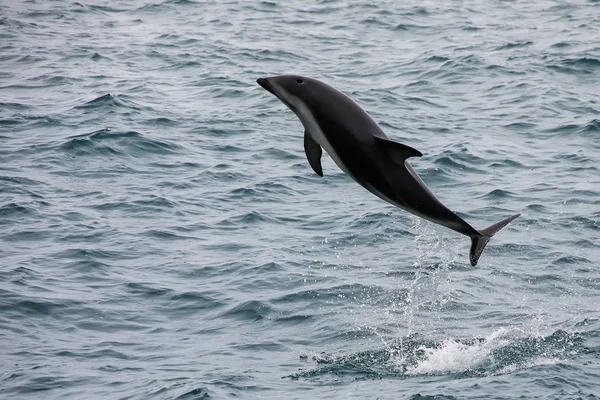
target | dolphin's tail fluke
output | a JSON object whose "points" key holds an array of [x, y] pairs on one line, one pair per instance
{"points": [[478, 242]]}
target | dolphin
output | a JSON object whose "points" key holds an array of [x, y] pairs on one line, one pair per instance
{"points": [[334, 122]]}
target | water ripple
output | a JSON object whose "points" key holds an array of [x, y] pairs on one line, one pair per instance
{"points": [[163, 235]]}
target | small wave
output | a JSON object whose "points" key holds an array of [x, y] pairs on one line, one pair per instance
{"points": [[188, 64], [371, 20], [195, 394], [85, 144], [183, 305], [16, 23], [161, 121], [27, 122], [212, 175], [14, 106], [577, 66], [87, 254], [515, 45], [81, 8], [419, 83], [291, 320], [147, 290], [166, 235], [108, 101], [43, 307], [87, 268], [499, 194], [357, 292], [593, 127], [97, 57], [454, 70], [538, 208], [106, 141], [571, 260], [226, 148], [449, 162], [520, 126], [505, 70], [168, 36], [99, 101], [262, 192], [93, 236], [26, 87], [507, 163], [424, 102], [418, 10], [409, 27], [250, 218], [55, 80], [248, 311], [278, 55], [138, 207], [18, 275], [440, 59], [281, 154], [583, 62], [15, 209], [182, 2]]}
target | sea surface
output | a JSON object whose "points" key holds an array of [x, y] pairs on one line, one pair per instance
{"points": [[162, 235]]}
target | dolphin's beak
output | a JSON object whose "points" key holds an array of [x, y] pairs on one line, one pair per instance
{"points": [[265, 84]]}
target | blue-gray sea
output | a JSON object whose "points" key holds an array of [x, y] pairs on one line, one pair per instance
{"points": [[162, 235]]}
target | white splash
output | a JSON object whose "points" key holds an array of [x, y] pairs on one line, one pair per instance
{"points": [[454, 356]]}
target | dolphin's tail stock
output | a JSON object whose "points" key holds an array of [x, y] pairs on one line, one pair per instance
{"points": [[478, 242]]}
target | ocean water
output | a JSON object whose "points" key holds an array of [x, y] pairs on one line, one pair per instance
{"points": [[163, 236]]}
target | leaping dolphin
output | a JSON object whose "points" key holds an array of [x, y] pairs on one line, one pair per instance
{"points": [[334, 122]]}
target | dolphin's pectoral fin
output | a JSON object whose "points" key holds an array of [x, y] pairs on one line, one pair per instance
{"points": [[398, 151], [313, 153]]}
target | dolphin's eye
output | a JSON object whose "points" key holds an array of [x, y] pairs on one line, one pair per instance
{"points": [[299, 81]]}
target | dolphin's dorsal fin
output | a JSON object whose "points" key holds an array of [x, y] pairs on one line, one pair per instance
{"points": [[313, 153], [398, 151]]}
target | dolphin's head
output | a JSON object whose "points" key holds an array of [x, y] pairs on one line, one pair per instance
{"points": [[292, 90]]}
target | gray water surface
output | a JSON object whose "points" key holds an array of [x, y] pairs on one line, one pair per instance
{"points": [[163, 236]]}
